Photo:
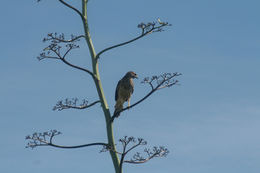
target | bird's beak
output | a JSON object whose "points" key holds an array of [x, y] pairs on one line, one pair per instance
{"points": [[136, 77]]}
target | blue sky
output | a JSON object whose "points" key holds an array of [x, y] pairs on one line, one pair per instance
{"points": [[210, 122]]}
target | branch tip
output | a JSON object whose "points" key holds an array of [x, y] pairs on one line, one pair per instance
{"points": [[131, 143], [54, 50], [46, 138], [73, 104], [146, 28]]}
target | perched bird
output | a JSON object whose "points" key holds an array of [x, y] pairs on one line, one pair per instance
{"points": [[124, 90]]}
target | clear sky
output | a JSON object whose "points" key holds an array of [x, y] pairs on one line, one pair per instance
{"points": [[210, 123]]}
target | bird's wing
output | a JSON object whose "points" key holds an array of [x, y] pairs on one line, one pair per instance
{"points": [[117, 90], [131, 88]]}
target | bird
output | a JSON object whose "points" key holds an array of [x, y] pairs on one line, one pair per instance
{"points": [[124, 91]]}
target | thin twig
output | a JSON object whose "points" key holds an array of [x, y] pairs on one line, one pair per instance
{"points": [[109, 148], [65, 54], [84, 107], [141, 161], [78, 146], [67, 104], [62, 58], [122, 158], [121, 44], [155, 152], [63, 40], [73, 8], [147, 29], [140, 142], [55, 48], [78, 67], [137, 158]]}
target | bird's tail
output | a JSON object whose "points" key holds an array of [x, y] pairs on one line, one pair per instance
{"points": [[118, 108]]}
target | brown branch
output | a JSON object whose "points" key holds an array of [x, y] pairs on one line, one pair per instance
{"points": [[73, 8], [121, 44], [68, 50], [141, 161], [41, 139], [78, 67], [86, 106], [67, 104], [71, 40], [78, 146], [122, 158], [109, 148], [125, 152], [125, 141], [55, 48], [156, 152], [137, 157], [146, 29], [60, 38], [44, 56], [62, 58], [140, 142]]}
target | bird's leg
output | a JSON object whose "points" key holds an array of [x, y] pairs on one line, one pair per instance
{"points": [[128, 104]]}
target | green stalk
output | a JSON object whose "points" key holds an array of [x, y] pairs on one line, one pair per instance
{"points": [[109, 124]]}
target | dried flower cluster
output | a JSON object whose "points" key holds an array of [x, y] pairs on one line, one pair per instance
{"points": [[152, 26], [41, 139], [138, 158], [161, 81], [60, 38], [57, 42], [131, 143], [147, 28], [73, 103]]}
